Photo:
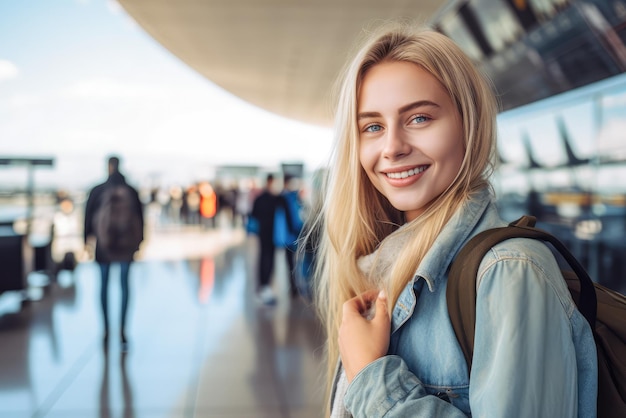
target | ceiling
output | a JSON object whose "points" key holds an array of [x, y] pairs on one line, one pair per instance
{"points": [[280, 55]]}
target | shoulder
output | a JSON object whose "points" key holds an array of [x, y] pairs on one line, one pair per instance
{"points": [[524, 262], [98, 188], [96, 192], [293, 197], [530, 250], [132, 189]]}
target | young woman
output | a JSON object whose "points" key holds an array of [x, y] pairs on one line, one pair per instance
{"points": [[408, 186]]}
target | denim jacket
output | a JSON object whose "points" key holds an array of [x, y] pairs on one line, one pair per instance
{"points": [[534, 353]]}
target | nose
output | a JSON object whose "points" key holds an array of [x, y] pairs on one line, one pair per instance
{"points": [[395, 146]]}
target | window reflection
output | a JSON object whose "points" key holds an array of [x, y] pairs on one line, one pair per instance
{"points": [[500, 26], [546, 9], [580, 122], [454, 28], [611, 144]]}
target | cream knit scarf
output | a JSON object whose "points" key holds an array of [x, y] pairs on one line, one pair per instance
{"points": [[376, 266]]}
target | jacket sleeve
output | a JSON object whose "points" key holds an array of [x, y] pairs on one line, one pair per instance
{"points": [[387, 388], [255, 208], [139, 209], [524, 361], [90, 209], [291, 223]]}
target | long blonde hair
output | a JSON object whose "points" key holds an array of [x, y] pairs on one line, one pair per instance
{"points": [[355, 217]]}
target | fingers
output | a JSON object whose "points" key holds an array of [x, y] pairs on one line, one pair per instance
{"points": [[382, 312], [364, 331], [362, 304]]}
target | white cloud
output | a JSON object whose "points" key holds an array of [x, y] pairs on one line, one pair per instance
{"points": [[8, 70]]}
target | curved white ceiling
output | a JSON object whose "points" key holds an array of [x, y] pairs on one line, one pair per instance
{"points": [[280, 55]]}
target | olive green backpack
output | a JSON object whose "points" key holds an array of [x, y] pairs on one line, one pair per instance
{"points": [[604, 309]]}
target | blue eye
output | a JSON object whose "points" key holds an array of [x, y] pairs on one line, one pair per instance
{"points": [[373, 128], [420, 119]]}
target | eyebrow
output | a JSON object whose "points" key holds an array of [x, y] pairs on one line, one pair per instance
{"points": [[410, 106]]}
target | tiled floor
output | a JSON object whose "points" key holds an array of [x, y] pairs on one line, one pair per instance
{"points": [[200, 344]]}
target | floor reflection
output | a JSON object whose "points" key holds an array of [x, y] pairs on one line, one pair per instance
{"points": [[207, 279], [108, 388], [201, 346]]}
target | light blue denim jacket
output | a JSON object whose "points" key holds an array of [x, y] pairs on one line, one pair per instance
{"points": [[534, 353]]}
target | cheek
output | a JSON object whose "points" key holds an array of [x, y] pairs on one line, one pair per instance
{"points": [[366, 158], [456, 160], [455, 152], [452, 149]]}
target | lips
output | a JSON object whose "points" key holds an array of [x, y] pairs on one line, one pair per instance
{"points": [[397, 175]]}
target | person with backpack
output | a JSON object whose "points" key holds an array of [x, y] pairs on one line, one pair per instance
{"points": [[114, 216], [408, 186], [263, 216], [286, 233]]}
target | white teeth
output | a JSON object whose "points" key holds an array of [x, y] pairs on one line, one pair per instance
{"points": [[408, 173]]}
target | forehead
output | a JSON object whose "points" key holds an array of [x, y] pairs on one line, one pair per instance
{"points": [[398, 83]]}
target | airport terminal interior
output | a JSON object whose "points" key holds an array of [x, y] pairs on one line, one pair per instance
{"points": [[200, 343]]}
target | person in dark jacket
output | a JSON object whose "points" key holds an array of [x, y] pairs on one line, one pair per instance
{"points": [[101, 217], [286, 232], [263, 213]]}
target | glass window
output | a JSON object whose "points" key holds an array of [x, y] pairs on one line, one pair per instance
{"points": [[537, 138], [546, 9], [510, 146], [499, 24], [608, 180], [611, 142], [454, 28], [580, 128]]}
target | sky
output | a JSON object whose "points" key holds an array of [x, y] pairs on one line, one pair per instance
{"points": [[79, 79]]}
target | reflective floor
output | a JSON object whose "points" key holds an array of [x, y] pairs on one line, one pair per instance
{"points": [[200, 344]]}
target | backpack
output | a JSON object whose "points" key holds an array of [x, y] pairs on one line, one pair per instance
{"points": [[117, 225], [284, 234], [603, 308]]}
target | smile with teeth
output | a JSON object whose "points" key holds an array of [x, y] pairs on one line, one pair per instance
{"points": [[407, 173]]}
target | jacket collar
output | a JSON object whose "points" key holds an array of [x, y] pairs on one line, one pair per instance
{"points": [[457, 230], [434, 265]]}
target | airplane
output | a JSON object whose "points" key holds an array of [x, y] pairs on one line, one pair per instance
{"points": [[572, 159]]}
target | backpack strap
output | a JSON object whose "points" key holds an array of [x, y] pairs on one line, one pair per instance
{"points": [[461, 288]]}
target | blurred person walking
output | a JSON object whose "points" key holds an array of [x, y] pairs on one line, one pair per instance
{"points": [[114, 216], [263, 214], [287, 226], [208, 206]]}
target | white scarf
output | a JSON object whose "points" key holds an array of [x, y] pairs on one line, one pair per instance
{"points": [[384, 256]]}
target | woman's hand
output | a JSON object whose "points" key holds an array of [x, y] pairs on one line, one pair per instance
{"points": [[363, 340]]}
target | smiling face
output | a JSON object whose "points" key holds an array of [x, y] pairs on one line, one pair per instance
{"points": [[410, 135]]}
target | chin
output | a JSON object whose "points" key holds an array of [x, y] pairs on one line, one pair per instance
{"points": [[405, 207]]}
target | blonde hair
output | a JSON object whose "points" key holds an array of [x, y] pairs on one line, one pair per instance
{"points": [[356, 217]]}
